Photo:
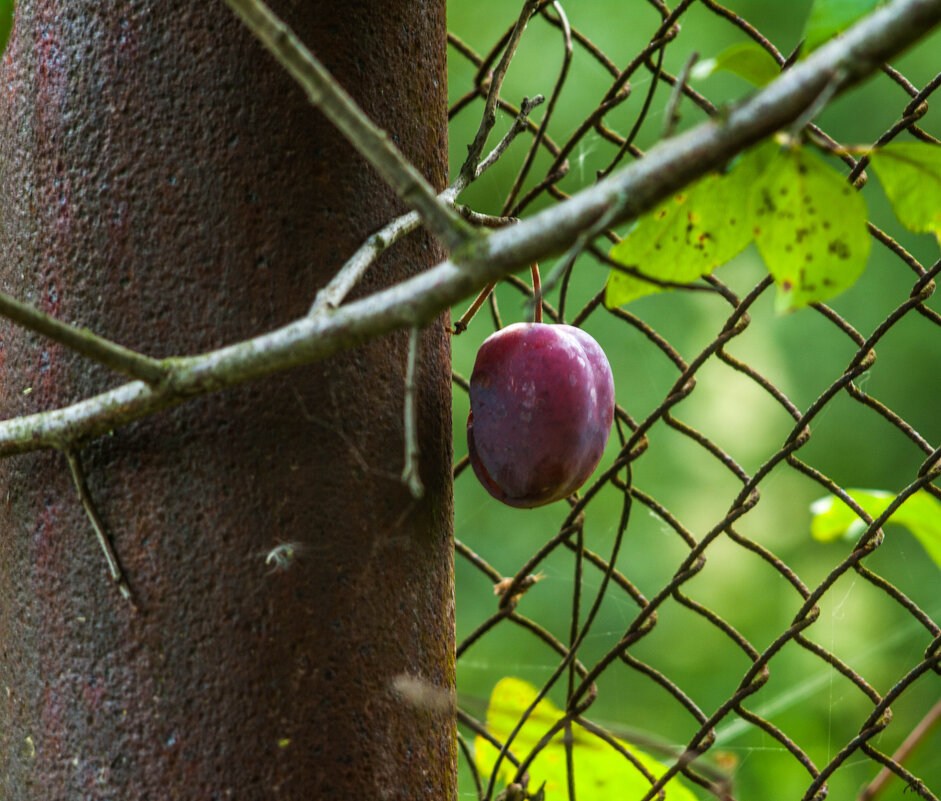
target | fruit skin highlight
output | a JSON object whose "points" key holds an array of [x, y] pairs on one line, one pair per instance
{"points": [[542, 403]]}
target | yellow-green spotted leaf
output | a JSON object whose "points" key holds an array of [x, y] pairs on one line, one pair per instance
{"points": [[827, 18], [910, 173], [919, 513], [810, 228], [691, 233], [748, 60], [601, 773]]}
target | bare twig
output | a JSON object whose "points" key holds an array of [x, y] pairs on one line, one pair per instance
{"points": [[81, 340], [352, 271], [583, 241], [416, 301], [114, 567], [369, 140], [356, 266], [410, 473], [510, 200], [519, 125], [489, 118], [827, 93], [480, 220]]}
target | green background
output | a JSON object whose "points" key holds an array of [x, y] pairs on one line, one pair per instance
{"points": [[802, 354]]}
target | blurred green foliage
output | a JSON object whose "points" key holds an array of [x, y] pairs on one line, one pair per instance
{"points": [[6, 22], [801, 353], [920, 513]]}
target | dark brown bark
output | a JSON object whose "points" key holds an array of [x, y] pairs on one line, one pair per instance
{"points": [[164, 183]]}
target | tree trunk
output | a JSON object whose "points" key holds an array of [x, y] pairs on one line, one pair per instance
{"points": [[165, 184]]}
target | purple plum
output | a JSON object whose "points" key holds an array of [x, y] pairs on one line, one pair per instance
{"points": [[541, 406]]}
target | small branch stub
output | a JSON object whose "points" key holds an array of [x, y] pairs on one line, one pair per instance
{"points": [[88, 504]]}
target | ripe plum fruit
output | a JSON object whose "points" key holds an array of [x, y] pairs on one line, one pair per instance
{"points": [[541, 406]]}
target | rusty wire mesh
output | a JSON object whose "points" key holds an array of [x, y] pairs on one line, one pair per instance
{"points": [[618, 662]]}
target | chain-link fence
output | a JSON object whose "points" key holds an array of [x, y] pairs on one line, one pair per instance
{"points": [[730, 584]]}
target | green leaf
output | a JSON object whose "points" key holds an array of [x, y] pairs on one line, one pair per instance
{"points": [[827, 18], [601, 773], [6, 22], [910, 173], [919, 513], [748, 60], [810, 228], [691, 234]]}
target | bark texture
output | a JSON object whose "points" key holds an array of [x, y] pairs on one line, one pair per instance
{"points": [[163, 182]]}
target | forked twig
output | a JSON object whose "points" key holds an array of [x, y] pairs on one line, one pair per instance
{"points": [[489, 118], [520, 124], [332, 295]]}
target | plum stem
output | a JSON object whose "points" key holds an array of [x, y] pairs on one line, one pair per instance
{"points": [[537, 293], [461, 325]]}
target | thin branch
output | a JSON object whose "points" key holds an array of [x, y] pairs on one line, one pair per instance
{"points": [[418, 300], [114, 567], [489, 118], [332, 295], [410, 473], [83, 341], [480, 220], [528, 162], [369, 140], [355, 268], [520, 124], [823, 99]]}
